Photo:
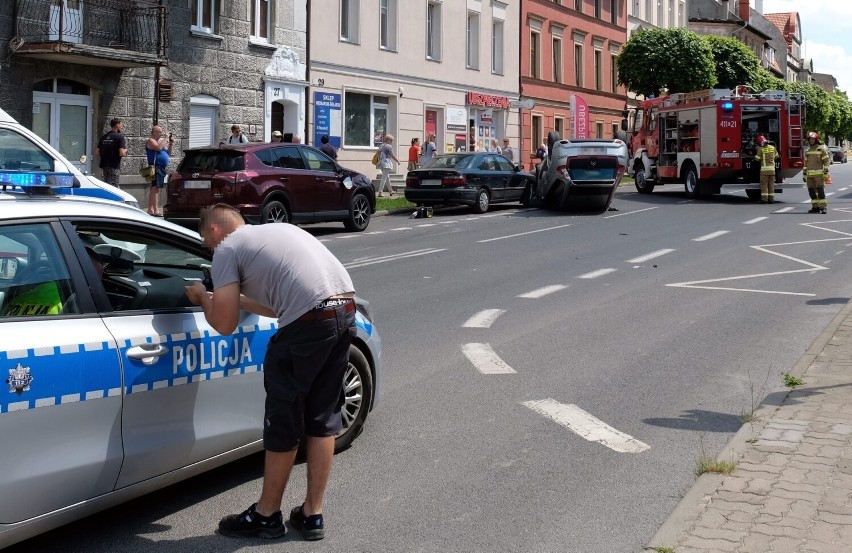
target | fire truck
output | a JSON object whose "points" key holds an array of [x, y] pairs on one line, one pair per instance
{"points": [[707, 138]]}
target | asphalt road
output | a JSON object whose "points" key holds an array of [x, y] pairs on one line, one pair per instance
{"points": [[550, 378]]}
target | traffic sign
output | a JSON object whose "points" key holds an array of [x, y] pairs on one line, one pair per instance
{"points": [[525, 104]]}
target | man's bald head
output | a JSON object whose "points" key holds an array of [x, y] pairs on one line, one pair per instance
{"points": [[217, 222]]}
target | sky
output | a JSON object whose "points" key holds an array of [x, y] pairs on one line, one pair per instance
{"points": [[826, 34]]}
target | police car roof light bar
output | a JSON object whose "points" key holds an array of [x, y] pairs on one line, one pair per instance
{"points": [[36, 182]]}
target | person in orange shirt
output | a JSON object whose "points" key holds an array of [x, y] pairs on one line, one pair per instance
{"points": [[413, 154]]}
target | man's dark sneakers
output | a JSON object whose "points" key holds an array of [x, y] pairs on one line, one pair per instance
{"points": [[813, 210], [250, 524], [311, 526], [823, 210]]}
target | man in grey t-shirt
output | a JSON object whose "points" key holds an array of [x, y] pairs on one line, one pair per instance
{"points": [[279, 270]]}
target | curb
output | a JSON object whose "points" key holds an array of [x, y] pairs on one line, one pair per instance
{"points": [[394, 211], [702, 490]]}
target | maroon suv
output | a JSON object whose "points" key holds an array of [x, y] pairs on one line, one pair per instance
{"points": [[278, 182]]}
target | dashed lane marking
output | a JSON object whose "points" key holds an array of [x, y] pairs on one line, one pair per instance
{"points": [[523, 233], [755, 220], [598, 273], [587, 426], [784, 210], [628, 213], [384, 259], [483, 319], [650, 256], [711, 236], [541, 292], [486, 360]]}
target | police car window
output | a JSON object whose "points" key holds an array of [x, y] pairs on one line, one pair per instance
{"points": [[140, 269], [17, 153], [34, 278]]}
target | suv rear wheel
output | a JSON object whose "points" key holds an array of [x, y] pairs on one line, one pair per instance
{"points": [[275, 212], [359, 213]]}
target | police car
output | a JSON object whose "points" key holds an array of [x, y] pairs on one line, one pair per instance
{"points": [[114, 385]]}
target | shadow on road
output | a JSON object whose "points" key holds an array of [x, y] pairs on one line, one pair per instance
{"points": [[699, 420]]}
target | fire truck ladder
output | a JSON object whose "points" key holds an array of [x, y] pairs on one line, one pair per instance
{"points": [[795, 116]]}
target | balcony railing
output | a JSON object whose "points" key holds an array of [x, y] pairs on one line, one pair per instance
{"points": [[135, 32]]}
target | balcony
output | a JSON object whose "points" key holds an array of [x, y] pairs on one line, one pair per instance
{"points": [[107, 33]]}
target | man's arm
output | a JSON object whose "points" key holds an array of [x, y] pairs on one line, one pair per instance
{"points": [[252, 306], [221, 308]]}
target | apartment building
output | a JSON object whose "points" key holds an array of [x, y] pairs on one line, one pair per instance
{"points": [[194, 66], [568, 68], [412, 68]]}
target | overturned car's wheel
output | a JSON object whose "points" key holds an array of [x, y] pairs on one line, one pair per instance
{"points": [[358, 393]]}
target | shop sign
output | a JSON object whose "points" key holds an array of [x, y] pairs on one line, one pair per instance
{"points": [[456, 119], [487, 100]]}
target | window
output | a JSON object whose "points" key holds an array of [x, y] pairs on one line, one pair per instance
{"points": [[388, 17], [578, 5], [559, 126], [202, 120], [535, 47], [34, 279], [285, 157], [672, 18], [613, 11], [578, 64], [497, 47], [472, 40], [682, 7], [536, 131], [649, 10], [613, 72], [599, 132], [661, 13], [557, 60], [349, 12], [433, 31], [598, 70], [598, 8], [615, 128], [260, 18], [204, 15], [18, 153], [366, 119], [318, 161]]}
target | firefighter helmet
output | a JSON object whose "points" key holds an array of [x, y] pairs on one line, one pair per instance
{"points": [[761, 140], [814, 135]]}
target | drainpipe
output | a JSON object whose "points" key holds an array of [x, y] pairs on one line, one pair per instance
{"points": [[305, 136], [160, 51]]}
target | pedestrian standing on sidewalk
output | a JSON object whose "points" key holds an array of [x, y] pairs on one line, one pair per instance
{"points": [[327, 148], [237, 136], [282, 271], [386, 160], [158, 148], [428, 150], [111, 148], [767, 155], [413, 154], [817, 163]]}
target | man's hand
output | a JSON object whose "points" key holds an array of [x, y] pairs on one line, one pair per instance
{"points": [[196, 293]]}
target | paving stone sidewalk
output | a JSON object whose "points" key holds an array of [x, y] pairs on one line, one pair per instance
{"points": [[791, 490]]}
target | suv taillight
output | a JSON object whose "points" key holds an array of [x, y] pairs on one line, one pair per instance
{"points": [[243, 177], [455, 180]]}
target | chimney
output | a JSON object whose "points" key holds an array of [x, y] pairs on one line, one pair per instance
{"points": [[758, 6], [744, 10]]}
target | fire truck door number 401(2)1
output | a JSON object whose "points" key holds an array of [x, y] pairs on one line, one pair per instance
{"points": [[731, 124]]}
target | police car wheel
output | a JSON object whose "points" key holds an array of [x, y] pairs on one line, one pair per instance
{"points": [[358, 393]]}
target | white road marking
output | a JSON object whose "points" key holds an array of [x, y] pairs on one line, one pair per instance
{"points": [[650, 256], [784, 210], [386, 258], [483, 319], [711, 236], [345, 236], [755, 220], [598, 273], [586, 426], [486, 360], [400, 228], [842, 189], [426, 225], [806, 202], [628, 212], [830, 194], [446, 222], [490, 215], [523, 233], [375, 232], [541, 292]]}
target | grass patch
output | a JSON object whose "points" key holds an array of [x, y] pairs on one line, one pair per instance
{"points": [[663, 549], [746, 418], [393, 203], [791, 381], [709, 464]]}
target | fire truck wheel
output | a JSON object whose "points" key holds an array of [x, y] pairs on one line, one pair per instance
{"points": [[641, 182], [690, 181]]}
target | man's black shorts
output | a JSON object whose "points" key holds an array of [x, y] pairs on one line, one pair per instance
{"points": [[303, 376]]}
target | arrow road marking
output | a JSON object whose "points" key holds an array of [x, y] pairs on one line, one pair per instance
{"points": [[484, 319], [541, 292], [384, 259], [486, 360], [586, 426]]}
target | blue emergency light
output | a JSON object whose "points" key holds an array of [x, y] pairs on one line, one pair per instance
{"points": [[727, 106], [40, 179]]}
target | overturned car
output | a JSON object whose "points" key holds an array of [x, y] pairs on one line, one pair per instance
{"points": [[579, 174]]}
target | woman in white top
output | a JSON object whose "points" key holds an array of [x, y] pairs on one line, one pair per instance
{"points": [[495, 147], [386, 160], [428, 150]]}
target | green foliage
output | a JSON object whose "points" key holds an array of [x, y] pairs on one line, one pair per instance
{"points": [[764, 80], [735, 62], [792, 381], [839, 123], [658, 60], [817, 106]]}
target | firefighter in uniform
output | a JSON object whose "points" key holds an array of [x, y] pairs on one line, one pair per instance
{"points": [[766, 155], [817, 163]]}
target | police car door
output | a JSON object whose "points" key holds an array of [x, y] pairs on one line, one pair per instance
{"points": [[60, 402], [189, 393]]}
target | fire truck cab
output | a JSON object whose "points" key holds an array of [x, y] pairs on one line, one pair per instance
{"points": [[707, 138]]}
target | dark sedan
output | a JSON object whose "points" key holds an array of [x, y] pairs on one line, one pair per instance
{"points": [[270, 183], [837, 154], [475, 179]]}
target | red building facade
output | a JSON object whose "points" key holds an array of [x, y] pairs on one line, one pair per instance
{"points": [[568, 68]]}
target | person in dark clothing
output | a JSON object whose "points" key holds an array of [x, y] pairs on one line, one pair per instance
{"points": [[111, 148], [327, 148]]}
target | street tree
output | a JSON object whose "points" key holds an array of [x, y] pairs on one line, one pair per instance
{"points": [[817, 106], [654, 61], [764, 80], [735, 62], [839, 119]]}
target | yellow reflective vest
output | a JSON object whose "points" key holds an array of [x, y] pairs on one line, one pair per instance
{"points": [[767, 155], [817, 160]]}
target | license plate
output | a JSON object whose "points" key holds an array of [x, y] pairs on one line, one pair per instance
{"points": [[196, 184], [430, 182]]}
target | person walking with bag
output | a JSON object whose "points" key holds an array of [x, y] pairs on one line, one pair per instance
{"points": [[281, 271], [158, 149], [386, 160]]}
